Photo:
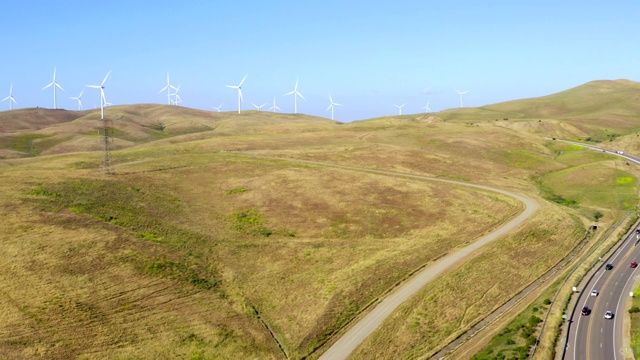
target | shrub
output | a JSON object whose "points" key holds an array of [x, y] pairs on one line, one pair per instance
{"points": [[634, 309], [534, 320], [547, 301]]}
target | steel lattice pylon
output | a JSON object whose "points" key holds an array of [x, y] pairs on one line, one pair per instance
{"points": [[105, 129]]}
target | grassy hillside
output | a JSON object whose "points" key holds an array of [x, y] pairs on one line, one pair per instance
{"points": [[213, 240]]}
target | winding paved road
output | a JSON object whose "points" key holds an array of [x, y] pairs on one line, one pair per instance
{"points": [[344, 346]]}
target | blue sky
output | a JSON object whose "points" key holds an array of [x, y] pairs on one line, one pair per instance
{"points": [[368, 55]]}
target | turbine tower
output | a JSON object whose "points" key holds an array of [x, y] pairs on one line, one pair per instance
{"points": [[258, 107], [217, 108], [274, 107], [10, 97], [177, 98], [399, 108], [331, 105], [462, 96], [79, 98], [54, 84], [239, 87], [426, 108], [168, 88], [295, 94], [103, 101]]}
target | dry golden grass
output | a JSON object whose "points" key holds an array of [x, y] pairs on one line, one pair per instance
{"points": [[456, 301], [321, 243]]}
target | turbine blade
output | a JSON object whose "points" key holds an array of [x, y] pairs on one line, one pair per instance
{"points": [[301, 95], [329, 108], [93, 86], [58, 85], [240, 93], [47, 86], [105, 78], [163, 89], [289, 93], [231, 86], [243, 80]]}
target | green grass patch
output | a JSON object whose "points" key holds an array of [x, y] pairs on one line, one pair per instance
{"points": [[516, 339], [250, 222], [597, 185], [238, 190], [30, 144], [146, 212], [635, 323]]}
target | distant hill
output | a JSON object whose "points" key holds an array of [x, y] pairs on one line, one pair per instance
{"points": [[612, 105], [35, 131]]}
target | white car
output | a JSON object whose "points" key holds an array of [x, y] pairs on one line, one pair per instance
{"points": [[594, 292], [608, 315]]}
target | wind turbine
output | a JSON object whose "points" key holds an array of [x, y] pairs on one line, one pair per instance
{"points": [[462, 96], [274, 107], [177, 97], [217, 108], [239, 87], [10, 97], [399, 108], [103, 101], [79, 99], [168, 88], [332, 105], [426, 108], [295, 94], [54, 84], [258, 107]]}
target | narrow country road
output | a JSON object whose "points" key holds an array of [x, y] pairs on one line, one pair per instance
{"points": [[359, 331]]}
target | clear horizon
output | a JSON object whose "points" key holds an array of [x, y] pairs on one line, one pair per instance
{"points": [[368, 55]]}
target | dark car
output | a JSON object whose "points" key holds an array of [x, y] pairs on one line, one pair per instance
{"points": [[634, 264], [609, 267], [586, 310]]}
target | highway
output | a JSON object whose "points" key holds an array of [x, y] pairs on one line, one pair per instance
{"points": [[592, 336], [595, 337]]}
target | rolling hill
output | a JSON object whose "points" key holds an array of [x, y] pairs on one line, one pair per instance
{"points": [[227, 235]]}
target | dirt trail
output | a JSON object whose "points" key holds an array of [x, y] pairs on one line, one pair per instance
{"points": [[344, 346]]}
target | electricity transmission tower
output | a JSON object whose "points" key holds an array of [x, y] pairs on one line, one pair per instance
{"points": [[105, 129]]}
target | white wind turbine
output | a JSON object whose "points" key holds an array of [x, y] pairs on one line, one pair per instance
{"points": [[79, 98], [103, 101], [331, 105], [295, 94], [258, 107], [168, 88], [426, 108], [217, 108], [462, 96], [54, 84], [177, 98], [10, 97], [239, 87], [274, 107], [399, 108]]}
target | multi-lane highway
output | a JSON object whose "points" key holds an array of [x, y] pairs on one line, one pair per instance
{"points": [[592, 336]]}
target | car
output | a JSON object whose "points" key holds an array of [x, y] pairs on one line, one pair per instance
{"points": [[634, 264], [608, 315], [619, 152], [586, 310], [609, 267], [637, 231], [594, 292]]}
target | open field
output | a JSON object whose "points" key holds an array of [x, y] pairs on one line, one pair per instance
{"points": [[208, 243]]}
